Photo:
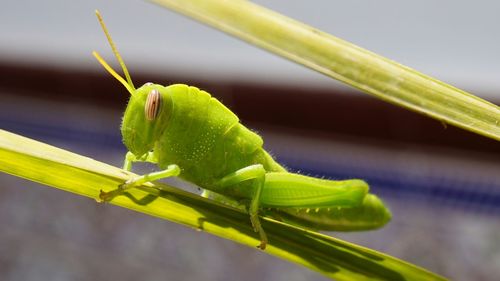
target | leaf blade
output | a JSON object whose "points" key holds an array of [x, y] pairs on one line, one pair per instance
{"points": [[71, 172], [344, 61]]}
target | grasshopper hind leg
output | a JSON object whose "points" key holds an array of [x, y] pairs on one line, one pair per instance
{"points": [[257, 174]]}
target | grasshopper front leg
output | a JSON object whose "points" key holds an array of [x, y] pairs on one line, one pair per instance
{"points": [[130, 158], [171, 171]]}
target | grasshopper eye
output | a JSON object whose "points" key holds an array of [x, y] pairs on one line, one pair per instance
{"points": [[153, 103]]}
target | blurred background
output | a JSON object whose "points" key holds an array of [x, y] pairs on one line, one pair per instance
{"points": [[441, 183]]}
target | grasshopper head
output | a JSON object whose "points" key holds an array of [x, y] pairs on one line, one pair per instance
{"points": [[145, 118]]}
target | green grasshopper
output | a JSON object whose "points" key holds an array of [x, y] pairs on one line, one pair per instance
{"points": [[191, 135]]}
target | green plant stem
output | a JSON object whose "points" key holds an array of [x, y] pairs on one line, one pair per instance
{"points": [[332, 257], [344, 61]]}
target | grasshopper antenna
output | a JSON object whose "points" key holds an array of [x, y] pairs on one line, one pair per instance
{"points": [[129, 85]]}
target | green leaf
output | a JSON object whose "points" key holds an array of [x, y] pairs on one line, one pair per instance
{"points": [[71, 172], [344, 61]]}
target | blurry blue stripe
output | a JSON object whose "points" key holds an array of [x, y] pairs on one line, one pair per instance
{"points": [[79, 136], [473, 195]]}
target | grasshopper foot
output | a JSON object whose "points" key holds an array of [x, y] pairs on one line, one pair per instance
{"points": [[258, 228], [108, 196], [262, 245]]}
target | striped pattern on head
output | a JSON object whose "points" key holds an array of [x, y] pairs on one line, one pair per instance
{"points": [[153, 105]]}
